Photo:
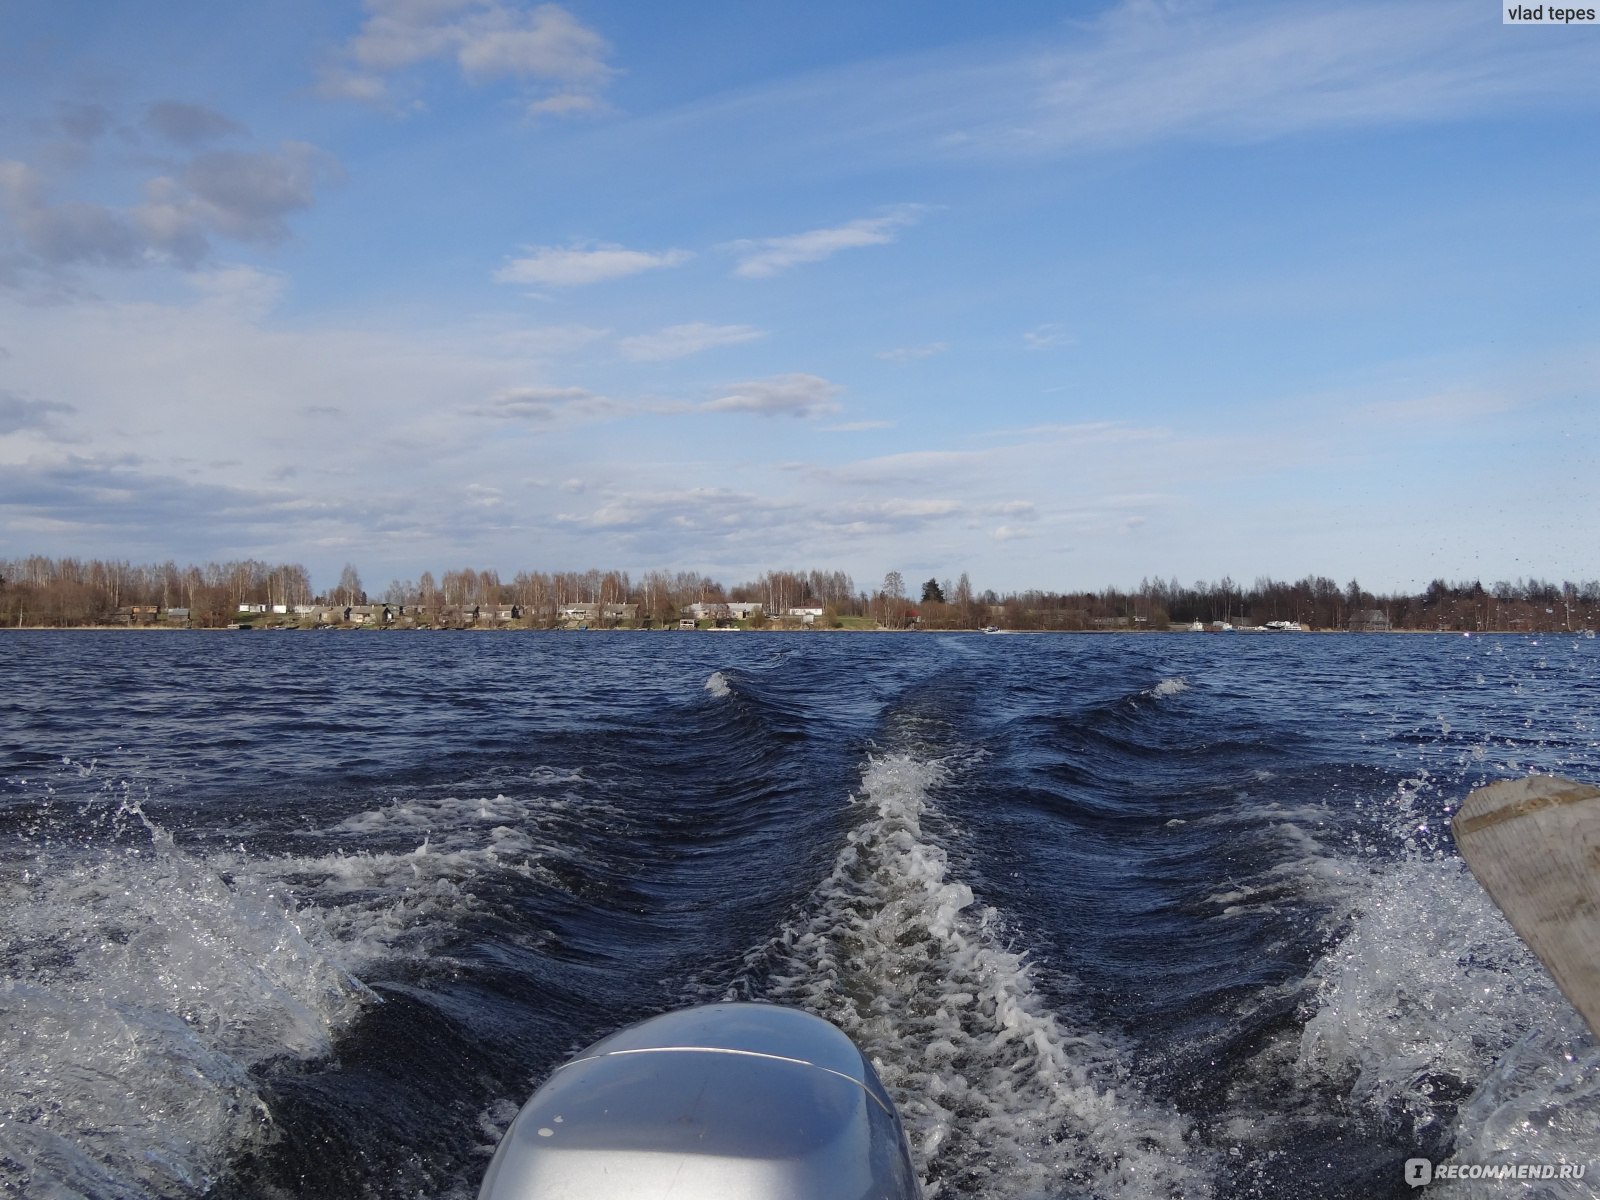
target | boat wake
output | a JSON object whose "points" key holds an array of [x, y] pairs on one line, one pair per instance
{"points": [[1001, 1097]]}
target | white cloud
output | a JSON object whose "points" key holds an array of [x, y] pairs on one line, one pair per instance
{"points": [[1014, 508], [680, 341], [1081, 433], [857, 426], [1159, 70], [573, 266], [795, 395], [245, 290], [913, 466], [565, 104], [1047, 336], [542, 405], [902, 509], [764, 257], [1149, 71], [905, 354], [486, 39]]}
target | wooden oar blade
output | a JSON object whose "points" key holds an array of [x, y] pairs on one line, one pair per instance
{"points": [[1534, 845]]}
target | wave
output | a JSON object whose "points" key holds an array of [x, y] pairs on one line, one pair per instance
{"points": [[1001, 1096], [133, 958], [419, 867], [138, 962]]}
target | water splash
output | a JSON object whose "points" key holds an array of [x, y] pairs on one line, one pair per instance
{"points": [[139, 987], [1433, 1014]]}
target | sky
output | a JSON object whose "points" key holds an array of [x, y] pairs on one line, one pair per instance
{"points": [[1059, 295]]}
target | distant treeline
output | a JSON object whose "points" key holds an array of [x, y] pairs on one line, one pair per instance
{"points": [[77, 592]]}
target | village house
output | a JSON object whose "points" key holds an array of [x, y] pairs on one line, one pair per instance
{"points": [[595, 614], [496, 614], [737, 610]]}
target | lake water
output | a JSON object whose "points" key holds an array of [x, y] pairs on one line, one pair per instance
{"points": [[310, 914]]}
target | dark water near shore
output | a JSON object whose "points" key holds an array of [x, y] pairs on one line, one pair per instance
{"points": [[309, 915]]}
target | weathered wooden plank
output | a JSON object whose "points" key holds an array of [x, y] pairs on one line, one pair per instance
{"points": [[1534, 845]]}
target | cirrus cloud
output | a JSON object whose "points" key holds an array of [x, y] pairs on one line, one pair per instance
{"points": [[574, 266], [764, 257], [680, 341]]}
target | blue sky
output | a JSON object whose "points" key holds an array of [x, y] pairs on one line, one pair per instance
{"points": [[1057, 295]]}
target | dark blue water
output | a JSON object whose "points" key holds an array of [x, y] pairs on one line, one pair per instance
{"points": [[296, 914]]}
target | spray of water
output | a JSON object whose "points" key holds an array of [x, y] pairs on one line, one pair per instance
{"points": [[139, 987], [1430, 1012]]}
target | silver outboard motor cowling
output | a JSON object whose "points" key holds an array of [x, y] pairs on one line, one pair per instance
{"points": [[720, 1102]]}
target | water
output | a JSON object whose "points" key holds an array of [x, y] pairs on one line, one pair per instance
{"points": [[309, 915]]}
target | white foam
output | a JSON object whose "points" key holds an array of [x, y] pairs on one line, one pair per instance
{"points": [[1540, 1103], [1001, 1096], [140, 989], [717, 684], [1429, 980], [378, 906], [1431, 986], [144, 982], [1175, 686]]}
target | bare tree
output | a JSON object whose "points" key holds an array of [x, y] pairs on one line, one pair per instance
{"points": [[349, 590]]}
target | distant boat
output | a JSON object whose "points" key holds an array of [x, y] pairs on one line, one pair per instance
{"points": [[991, 629], [1197, 627]]}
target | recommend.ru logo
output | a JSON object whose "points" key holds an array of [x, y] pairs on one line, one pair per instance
{"points": [[1420, 1172]]}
